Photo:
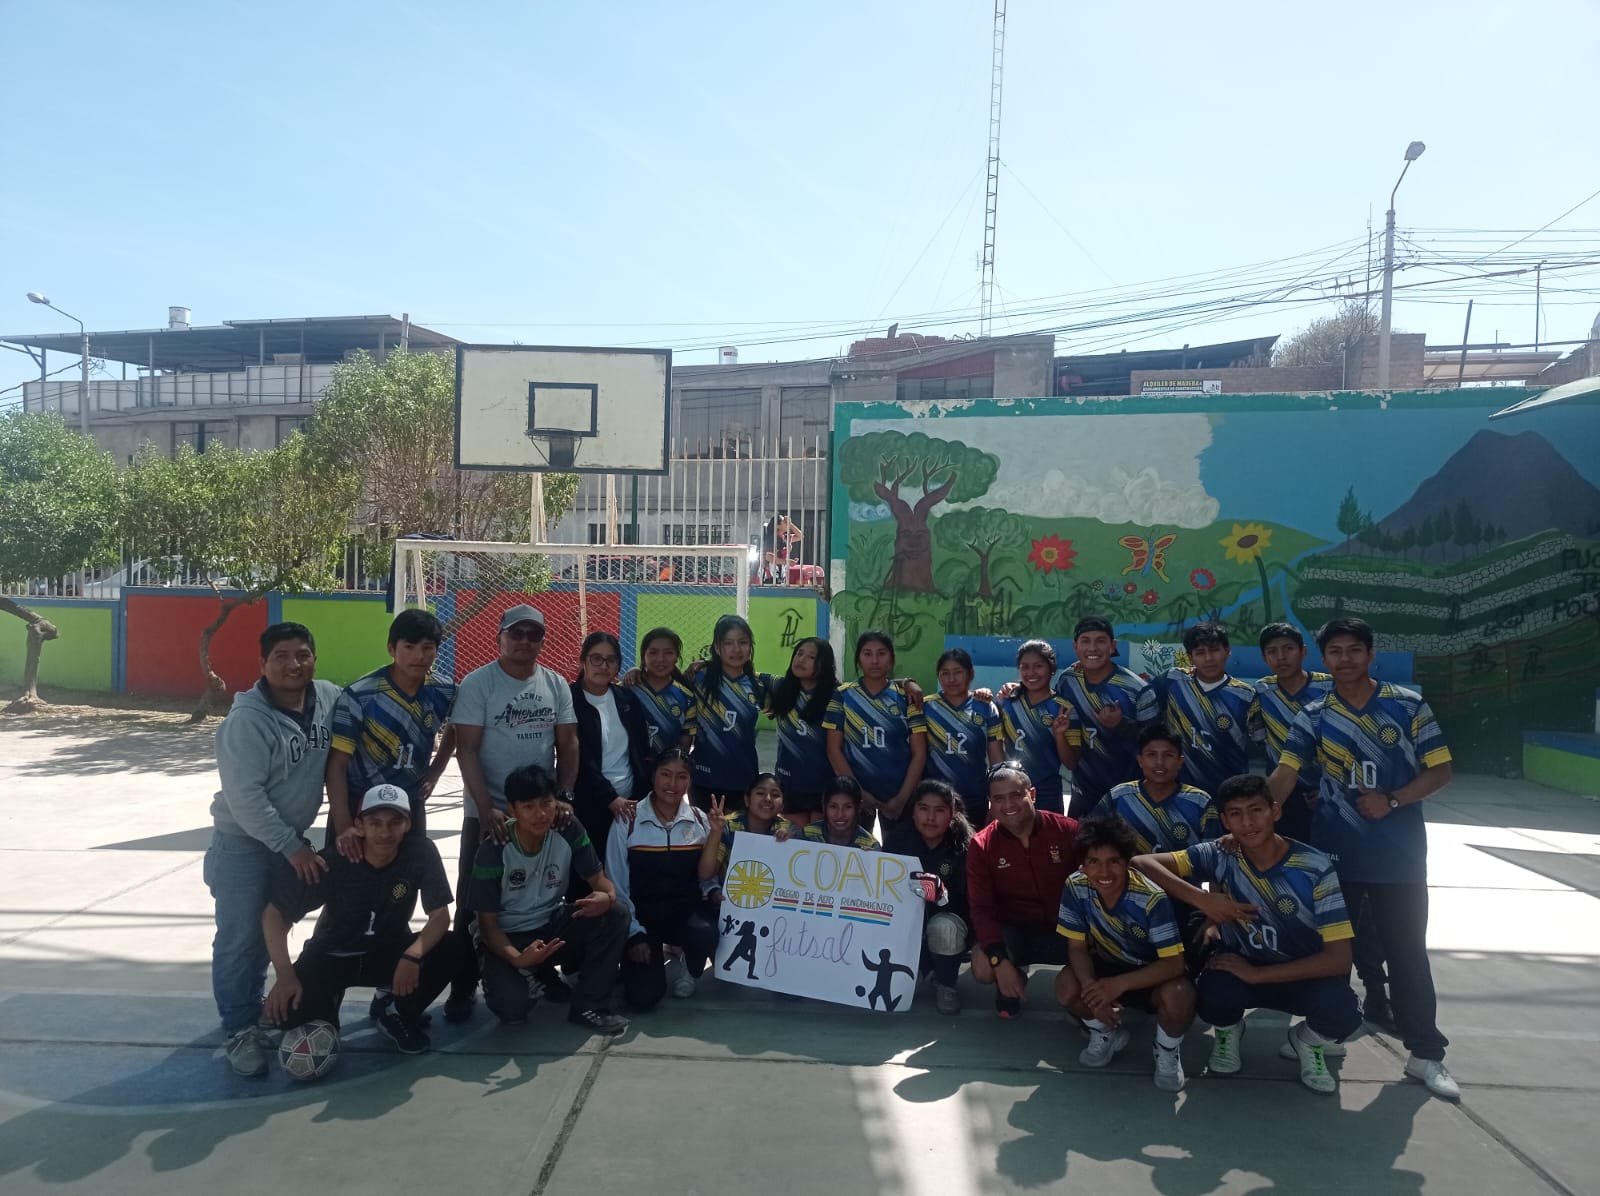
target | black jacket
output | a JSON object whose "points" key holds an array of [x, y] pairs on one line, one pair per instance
{"points": [[947, 861], [592, 793]]}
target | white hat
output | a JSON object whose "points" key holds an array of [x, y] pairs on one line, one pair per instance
{"points": [[386, 797]]}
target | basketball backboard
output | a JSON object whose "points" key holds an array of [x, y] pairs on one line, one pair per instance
{"points": [[545, 409]]}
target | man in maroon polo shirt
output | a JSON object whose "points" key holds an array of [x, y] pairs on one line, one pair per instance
{"points": [[1016, 869]]}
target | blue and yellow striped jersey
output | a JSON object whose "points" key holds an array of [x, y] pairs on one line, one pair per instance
{"points": [[1382, 746], [958, 746], [1140, 929], [1214, 722], [802, 750], [1180, 821], [816, 832], [670, 713], [388, 736], [724, 751], [877, 730], [1301, 905], [1274, 709], [1108, 757], [1029, 728]]}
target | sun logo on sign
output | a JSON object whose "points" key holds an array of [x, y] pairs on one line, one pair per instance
{"points": [[749, 884]]}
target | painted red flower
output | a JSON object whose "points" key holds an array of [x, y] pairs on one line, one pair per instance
{"points": [[1150, 598], [1202, 579], [1130, 587], [1051, 553]]}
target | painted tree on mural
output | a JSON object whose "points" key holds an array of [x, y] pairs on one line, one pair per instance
{"points": [[58, 500], [982, 531], [911, 475]]}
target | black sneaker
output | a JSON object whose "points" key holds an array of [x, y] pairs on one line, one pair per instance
{"points": [[598, 1021], [554, 988], [381, 999], [459, 1008], [407, 1037]]}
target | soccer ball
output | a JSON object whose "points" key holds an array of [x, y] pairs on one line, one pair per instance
{"points": [[309, 1052]]}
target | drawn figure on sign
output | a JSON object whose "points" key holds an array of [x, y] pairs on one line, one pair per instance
{"points": [[745, 949], [885, 970], [728, 924]]}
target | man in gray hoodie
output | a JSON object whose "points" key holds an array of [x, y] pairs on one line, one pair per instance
{"points": [[272, 750]]}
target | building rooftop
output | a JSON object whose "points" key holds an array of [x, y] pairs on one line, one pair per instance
{"points": [[234, 344], [1109, 373]]}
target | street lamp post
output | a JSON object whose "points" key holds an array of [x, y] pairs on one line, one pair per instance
{"points": [[83, 349], [1413, 152]]}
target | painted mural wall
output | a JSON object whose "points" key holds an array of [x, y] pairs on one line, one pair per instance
{"points": [[1472, 547]]}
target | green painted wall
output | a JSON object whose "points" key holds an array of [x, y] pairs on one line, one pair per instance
{"points": [[352, 634], [1561, 770], [80, 658], [778, 623]]}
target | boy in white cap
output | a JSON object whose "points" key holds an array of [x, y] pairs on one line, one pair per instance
{"points": [[364, 935]]}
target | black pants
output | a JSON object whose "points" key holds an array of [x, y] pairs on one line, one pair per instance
{"points": [[1026, 946], [1393, 919], [593, 948], [1328, 1003], [693, 930], [465, 981], [324, 979]]}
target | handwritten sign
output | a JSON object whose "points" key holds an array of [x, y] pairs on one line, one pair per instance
{"points": [[815, 920]]}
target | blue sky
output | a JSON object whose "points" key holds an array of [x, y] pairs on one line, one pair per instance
{"points": [[684, 175]]}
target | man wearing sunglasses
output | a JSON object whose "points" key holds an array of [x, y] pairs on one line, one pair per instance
{"points": [[511, 712]]}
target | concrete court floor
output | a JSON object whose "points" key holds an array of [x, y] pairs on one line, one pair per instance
{"points": [[110, 1082]]}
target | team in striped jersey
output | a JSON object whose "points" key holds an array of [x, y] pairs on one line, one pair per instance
{"points": [[1155, 761]]}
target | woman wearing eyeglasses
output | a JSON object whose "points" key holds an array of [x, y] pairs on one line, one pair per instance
{"points": [[613, 741]]}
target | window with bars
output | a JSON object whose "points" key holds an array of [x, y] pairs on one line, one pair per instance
{"points": [[978, 387], [201, 434]]}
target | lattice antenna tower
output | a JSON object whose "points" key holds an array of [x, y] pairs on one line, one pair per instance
{"points": [[992, 196]]}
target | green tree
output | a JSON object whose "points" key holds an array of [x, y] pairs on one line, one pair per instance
{"points": [[1323, 341], [252, 522], [1443, 530], [392, 424], [1464, 528], [1350, 520], [982, 531], [879, 466], [58, 504], [1425, 538]]}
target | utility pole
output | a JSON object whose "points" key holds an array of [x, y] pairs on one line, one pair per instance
{"points": [[83, 351], [991, 198], [1413, 152]]}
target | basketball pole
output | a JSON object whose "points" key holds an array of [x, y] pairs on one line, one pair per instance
{"points": [[535, 508]]}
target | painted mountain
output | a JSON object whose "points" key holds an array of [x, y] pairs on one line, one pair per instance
{"points": [[1494, 488]]}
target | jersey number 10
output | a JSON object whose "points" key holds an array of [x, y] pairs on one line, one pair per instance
{"points": [[872, 737]]}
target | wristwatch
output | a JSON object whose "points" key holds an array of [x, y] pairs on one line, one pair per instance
{"points": [[565, 795], [1394, 802]]}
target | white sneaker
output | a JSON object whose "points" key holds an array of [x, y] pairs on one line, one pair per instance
{"points": [[1103, 1044], [1225, 1059], [1431, 1074], [1314, 1073], [679, 983], [1330, 1050], [246, 1052], [1169, 1068]]}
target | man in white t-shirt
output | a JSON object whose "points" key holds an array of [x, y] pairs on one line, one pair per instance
{"points": [[511, 712]]}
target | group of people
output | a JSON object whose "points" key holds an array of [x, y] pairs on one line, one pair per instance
{"points": [[1069, 819]]}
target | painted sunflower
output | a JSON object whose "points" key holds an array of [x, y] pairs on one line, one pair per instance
{"points": [[1247, 542]]}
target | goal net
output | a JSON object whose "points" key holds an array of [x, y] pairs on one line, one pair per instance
{"points": [[626, 590]]}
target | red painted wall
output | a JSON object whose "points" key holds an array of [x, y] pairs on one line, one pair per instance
{"points": [[164, 643], [476, 643]]}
